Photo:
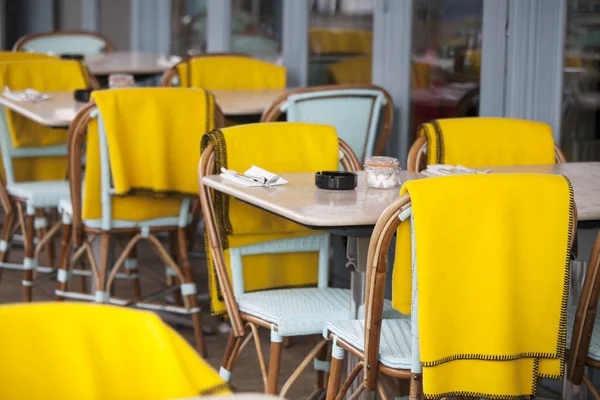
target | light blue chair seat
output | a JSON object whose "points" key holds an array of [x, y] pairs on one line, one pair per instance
{"points": [[40, 194], [361, 114], [64, 42]]}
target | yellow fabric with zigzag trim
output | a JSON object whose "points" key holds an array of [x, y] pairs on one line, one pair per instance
{"points": [[43, 74], [153, 136], [280, 148], [486, 142], [492, 263], [230, 72], [96, 352]]}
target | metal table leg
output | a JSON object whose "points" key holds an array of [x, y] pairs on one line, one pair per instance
{"points": [[356, 262]]}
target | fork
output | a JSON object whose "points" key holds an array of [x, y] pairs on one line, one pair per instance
{"points": [[272, 180]]}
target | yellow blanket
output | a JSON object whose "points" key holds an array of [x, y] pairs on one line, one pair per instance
{"points": [[483, 142], [42, 75], [280, 148], [104, 352], [230, 73], [493, 273], [153, 136]]}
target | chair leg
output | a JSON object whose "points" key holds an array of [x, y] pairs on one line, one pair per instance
{"points": [[131, 268], [29, 261], [102, 292], [416, 387], [63, 267], [335, 373], [7, 227], [191, 298], [229, 357], [322, 366], [41, 232], [274, 363], [170, 278]]}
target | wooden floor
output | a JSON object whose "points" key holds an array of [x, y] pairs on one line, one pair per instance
{"points": [[246, 375]]}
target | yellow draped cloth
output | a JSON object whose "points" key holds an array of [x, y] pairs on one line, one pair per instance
{"points": [[97, 352], [492, 262], [484, 142], [153, 136], [280, 148], [41, 75], [340, 41], [230, 72]]}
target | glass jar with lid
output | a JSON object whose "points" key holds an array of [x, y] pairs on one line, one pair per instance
{"points": [[382, 172]]}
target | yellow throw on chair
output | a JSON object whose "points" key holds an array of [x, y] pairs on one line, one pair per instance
{"points": [[493, 279], [230, 72], [145, 135], [279, 148], [96, 352], [43, 76], [484, 142]]}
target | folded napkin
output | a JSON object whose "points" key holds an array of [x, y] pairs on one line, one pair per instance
{"points": [[444, 170], [254, 176], [25, 95], [169, 61]]}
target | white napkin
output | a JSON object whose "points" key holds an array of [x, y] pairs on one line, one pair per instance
{"points": [[254, 176], [168, 62], [444, 170], [26, 95]]}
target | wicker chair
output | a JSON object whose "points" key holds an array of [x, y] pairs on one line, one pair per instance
{"points": [[64, 42], [417, 159], [584, 339], [272, 309], [34, 188], [354, 110], [79, 233]]}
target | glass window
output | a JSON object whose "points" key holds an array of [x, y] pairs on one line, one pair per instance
{"points": [[446, 55], [188, 27], [580, 138], [340, 41], [256, 28]]}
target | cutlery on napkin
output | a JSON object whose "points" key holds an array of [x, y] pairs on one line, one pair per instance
{"points": [[25, 95], [254, 176], [444, 170]]}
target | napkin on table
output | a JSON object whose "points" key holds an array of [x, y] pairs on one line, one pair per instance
{"points": [[252, 172], [444, 170], [25, 95]]}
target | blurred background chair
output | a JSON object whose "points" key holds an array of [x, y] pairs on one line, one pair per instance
{"points": [[362, 114], [35, 164], [97, 352], [64, 42]]}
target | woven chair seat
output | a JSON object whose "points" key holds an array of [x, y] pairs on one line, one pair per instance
{"points": [[594, 351], [301, 311], [395, 345], [40, 194]]}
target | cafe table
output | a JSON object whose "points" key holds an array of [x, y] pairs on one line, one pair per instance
{"points": [[60, 109], [128, 62], [354, 213]]}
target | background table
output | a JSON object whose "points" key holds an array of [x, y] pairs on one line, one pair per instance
{"points": [[57, 112], [246, 102], [126, 62]]}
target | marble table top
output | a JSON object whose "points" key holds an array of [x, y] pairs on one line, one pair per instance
{"points": [[302, 202], [246, 102], [58, 111], [127, 62]]}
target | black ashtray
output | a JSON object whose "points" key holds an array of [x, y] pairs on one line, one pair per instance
{"points": [[78, 57], [82, 95], [336, 180]]}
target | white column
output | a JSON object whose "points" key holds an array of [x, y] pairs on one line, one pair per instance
{"points": [[218, 29], [392, 42], [535, 51], [151, 26], [295, 41], [493, 59], [90, 15]]}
